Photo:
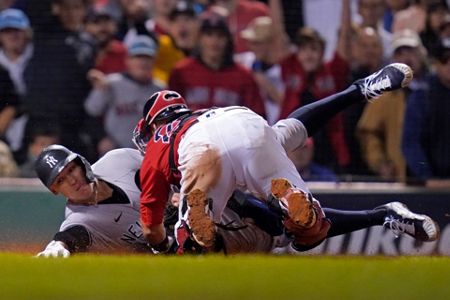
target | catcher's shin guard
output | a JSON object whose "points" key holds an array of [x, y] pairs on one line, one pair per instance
{"points": [[201, 225], [299, 205]]}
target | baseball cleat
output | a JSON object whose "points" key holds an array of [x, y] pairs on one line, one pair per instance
{"points": [[202, 227], [294, 202], [389, 78], [401, 220]]}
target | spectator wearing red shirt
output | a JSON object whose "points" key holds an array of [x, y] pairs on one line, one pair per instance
{"points": [[308, 78], [212, 78]]}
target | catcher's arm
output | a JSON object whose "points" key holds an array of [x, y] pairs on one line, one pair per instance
{"points": [[71, 240]]}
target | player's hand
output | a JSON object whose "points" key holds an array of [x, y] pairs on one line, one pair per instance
{"points": [[54, 249], [164, 246]]}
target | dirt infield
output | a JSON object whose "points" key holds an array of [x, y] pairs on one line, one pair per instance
{"points": [[21, 248]]}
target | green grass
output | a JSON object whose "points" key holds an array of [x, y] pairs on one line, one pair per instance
{"points": [[218, 277]]}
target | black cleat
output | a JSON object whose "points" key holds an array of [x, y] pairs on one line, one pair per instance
{"points": [[401, 220], [390, 78]]}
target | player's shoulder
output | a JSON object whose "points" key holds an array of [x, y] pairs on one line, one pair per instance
{"points": [[118, 158], [126, 153]]}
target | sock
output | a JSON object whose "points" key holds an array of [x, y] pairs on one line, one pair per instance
{"points": [[343, 221], [315, 115]]}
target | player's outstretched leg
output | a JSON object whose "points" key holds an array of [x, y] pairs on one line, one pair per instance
{"points": [[294, 202], [401, 220], [201, 225], [315, 115]]}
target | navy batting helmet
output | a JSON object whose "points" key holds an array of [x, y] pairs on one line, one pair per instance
{"points": [[54, 159]]}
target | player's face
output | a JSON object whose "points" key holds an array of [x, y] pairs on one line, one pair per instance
{"points": [[72, 184]]}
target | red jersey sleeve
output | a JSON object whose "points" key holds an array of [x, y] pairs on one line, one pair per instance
{"points": [[154, 196]]}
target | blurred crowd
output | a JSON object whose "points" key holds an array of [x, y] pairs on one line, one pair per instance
{"points": [[77, 72]]}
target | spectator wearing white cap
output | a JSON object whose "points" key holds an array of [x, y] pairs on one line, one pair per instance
{"points": [[263, 62], [379, 129], [120, 97], [15, 51]]}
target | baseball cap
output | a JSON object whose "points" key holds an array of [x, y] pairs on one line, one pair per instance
{"points": [[259, 30], [182, 8], [14, 18], [96, 14], [405, 38], [142, 45], [213, 21]]}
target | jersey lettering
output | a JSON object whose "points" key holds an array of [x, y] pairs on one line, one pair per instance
{"points": [[133, 234], [164, 133]]}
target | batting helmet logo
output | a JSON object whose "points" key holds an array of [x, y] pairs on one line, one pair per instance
{"points": [[51, 161]]}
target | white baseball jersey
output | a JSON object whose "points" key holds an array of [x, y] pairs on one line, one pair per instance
{"points": [[231, 148], [115, 226]]}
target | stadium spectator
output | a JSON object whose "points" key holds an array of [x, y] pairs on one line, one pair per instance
{"points": [[263, 62], [308, 78], [15, 51], [56, 75], [180, 41], [133, 18], [110, 52], [426, 131], [120, 97], [437, 17], [239, 15], [212, 78], [413, 17], [302, 158], [367, 57], [160, 11], [392, 7], [371, 13], [8, 166], [379, 129], [9, 102], [40, 138]]}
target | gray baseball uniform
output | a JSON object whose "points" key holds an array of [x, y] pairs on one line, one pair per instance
{"points": [[112, 225]]}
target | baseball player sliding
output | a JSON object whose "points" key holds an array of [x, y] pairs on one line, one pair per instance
{"points": [[102, 211]]}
